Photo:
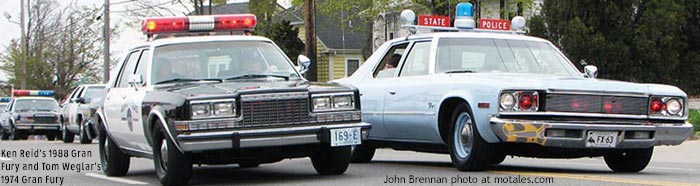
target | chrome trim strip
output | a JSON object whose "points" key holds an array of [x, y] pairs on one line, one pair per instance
{"points": [[252, 131], [274, 96], [575, 114], [600, 93], [400, 113]]}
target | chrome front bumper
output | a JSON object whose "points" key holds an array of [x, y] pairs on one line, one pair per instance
{"points": [[271, 137], [37, 126], [535, 131]]}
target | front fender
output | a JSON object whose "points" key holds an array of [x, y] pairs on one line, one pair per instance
{"points": [[481, 116], [157, 114]]}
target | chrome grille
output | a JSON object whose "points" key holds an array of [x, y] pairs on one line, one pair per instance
{"points": [[45, 119], [275, 109], [596, 104]]}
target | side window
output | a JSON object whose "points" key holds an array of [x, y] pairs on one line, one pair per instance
{"points": [[416, 62], [143, 62], [79, 92], [128, 69], [388, 65], [351, 66]]}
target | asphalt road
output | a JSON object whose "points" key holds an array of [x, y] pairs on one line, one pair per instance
{"points": [[676, 166]]}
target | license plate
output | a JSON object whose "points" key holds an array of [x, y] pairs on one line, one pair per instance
{"points": [[345, 137], [603, 139]]}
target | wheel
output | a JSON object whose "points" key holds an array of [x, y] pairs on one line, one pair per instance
{"points": [[362, 153], [172, 166], [51, 137], [633, 160], [248, 164], [498, 158], [84, 138], [4, 133], [68, 136], [468, 151], [14, 134], [114, 161], [331, 160]]}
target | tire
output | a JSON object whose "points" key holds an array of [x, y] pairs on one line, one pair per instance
{"points": [[68, 136], [114, 161], [498, 158], [84, 138], [248, 164], [362, 153], [51, 137], [331, 160], [468, 151], [14, 134], [4, 133], [633, 160], [172, 166]]}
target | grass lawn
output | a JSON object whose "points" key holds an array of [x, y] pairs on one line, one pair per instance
{"points": [[694, 118]]}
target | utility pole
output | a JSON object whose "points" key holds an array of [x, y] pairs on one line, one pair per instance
{"points": [[310, 38], [105, 36], [23, 42]]}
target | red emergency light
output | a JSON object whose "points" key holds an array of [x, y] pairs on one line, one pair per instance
{"points": [[229, 22]]}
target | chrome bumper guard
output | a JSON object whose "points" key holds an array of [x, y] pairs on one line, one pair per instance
{"points": [[535, 131], [270, 137]]}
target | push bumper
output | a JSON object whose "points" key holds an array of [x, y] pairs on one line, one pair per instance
{"points": [[534, 131], [202, 141]]}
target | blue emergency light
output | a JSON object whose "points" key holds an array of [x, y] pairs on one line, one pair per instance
{"points": [[465, 10], [33, 93], [5, 99]]}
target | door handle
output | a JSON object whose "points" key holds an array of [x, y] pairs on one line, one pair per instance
{"points": [[392, 92]]}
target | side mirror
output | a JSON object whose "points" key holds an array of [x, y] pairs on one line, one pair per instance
{"points": [[135, 79], [78, 100], [590, 71], [305, 62]]}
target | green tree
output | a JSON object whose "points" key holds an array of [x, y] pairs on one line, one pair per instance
{"points": [[652, 41], [286, 37]]}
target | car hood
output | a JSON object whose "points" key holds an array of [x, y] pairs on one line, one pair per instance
{"points": [[564, 83], [243, 86]]}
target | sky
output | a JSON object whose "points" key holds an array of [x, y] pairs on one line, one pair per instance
{"points": [[126, 39]]}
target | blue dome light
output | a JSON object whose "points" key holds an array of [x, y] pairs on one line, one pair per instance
{"points": [[465, 10]]}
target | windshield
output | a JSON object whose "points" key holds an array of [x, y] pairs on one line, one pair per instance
{"points": [[220, 60], [500, 55], [25, 105], [94, 93]]}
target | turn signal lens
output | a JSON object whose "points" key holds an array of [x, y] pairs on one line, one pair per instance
{"points": [[525, 101], [656, 105]]}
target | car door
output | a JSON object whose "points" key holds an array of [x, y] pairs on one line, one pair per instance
{"points": [[73, 109], [114, 104], [134, 114], [372, 90], [406, 109]]}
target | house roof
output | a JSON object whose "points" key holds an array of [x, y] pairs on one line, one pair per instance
{"points": [[327, 28]]}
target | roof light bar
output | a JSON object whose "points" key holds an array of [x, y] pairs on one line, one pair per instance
{"points": [[33, 93], [229, 22], [5, 99]]}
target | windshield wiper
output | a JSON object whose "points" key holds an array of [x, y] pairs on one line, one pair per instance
{"points": [[459, 71], [250, 76], [187, 80]]}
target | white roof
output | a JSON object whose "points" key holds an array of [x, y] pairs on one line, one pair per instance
{"points": [[471, 35], [194, 39]]}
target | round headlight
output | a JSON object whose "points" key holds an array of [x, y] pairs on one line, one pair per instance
{"points": [[507, 101], [674, 106]]}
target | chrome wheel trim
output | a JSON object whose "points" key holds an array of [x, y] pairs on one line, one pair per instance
{"points": [[163, 154], [463, 135]]}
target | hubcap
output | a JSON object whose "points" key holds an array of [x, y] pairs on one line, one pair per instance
{"points": [[463, 136], [164, 153]]}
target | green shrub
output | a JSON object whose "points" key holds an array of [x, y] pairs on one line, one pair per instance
{"points": [[694, 118]]}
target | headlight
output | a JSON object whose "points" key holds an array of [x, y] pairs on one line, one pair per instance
{"points": [[333, 102], [213, 108], [200, 110], [322, 103], [224, 108], [519, 101], [666, 106], [343, 102], [507, 101]]}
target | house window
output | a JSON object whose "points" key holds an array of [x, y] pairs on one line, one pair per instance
{"points": [[351, 66]]}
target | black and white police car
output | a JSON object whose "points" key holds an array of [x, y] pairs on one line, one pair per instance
{"points": [[192, 97]]}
